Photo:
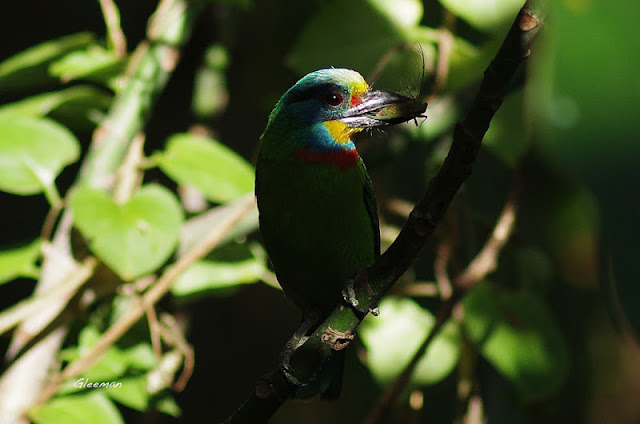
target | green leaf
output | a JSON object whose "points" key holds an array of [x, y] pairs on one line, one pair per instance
{"points": [[71, 106], [485, 15], [134, 238], [516, 333], [210, 275], [168, 405], [93, 407], [198, 226], [131, 392], [32, 154], [95, 63], [370, 29], [29, 69], [208, 165], [140, 357], [19, 262], [112, 366], [210, 94], [507, 136], [395, 336]]}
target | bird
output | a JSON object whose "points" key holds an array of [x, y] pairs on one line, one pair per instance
{"points": [[317, 209]]}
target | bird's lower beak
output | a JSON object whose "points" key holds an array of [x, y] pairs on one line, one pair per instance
{"points": [[383, 108]]}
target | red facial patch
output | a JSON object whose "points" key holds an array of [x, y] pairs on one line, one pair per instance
{"points": [[342, 158], [355, 100]]}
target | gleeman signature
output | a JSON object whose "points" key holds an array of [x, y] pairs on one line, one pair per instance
{"points": [[85, 383]]}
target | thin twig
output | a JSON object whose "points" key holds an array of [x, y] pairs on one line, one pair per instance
{"points": [[172, 334], [484, 263], [114, 31]]}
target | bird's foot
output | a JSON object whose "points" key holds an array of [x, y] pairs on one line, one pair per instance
{"points": [[298, 338], [349, 295]]}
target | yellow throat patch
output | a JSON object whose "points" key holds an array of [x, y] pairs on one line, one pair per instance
{"points": [[340, 131]]}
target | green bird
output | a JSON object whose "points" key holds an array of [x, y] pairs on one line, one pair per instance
{"points": [[317, 208]]}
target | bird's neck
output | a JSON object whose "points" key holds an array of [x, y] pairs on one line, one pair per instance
{"points": [[315, 145], [341, 158]]}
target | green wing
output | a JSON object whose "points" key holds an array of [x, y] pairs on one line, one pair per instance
{"points": [[372, 209]]}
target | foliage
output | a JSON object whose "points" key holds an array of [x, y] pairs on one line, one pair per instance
{"points": [[159, 212]]}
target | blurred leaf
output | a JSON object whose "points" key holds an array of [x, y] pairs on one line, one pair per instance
{"points": [[132, 392], [93, 407], [572, 231], [468, 62], [110, 366], [20, 262], [535, 267], [140, 356], [517, 335], [507, 136], [586, 107], [94, 63], [208, 165], [209, 275], [29, 69], [197, 227], [403, 13], [486, 15], [393, 338], [70, 106], [113, 365], [32, 153], [210, 94], [442, 115], [370, 29], [134, 238], [168, 405]]}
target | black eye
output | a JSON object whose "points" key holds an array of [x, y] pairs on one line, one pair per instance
{"points": [[333, 99]]}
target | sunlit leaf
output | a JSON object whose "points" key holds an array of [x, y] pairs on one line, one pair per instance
{"points": [[219, 172], [196, 227], [368, 33], [95, 63], [30, 67], [71, 106], [168, 405], [134, 238], [130, 391], [19, 262], [208, 275], [32, 154], [484, 14], [210, 94], [394, 337], [113, 364], [517, 335], [92, 407]]}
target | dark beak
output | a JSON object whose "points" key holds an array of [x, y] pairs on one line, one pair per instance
{"points": [[383, 108]]}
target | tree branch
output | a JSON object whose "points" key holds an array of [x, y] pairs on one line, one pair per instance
{"points": [[272, 390], [483, 264]]}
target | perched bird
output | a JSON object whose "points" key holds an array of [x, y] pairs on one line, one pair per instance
{"points": [[318, 213]]}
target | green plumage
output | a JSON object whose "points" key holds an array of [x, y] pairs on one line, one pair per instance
{"points": [[319, 225]]}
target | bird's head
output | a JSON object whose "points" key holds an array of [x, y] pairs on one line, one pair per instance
{"points": [[326, 107]]}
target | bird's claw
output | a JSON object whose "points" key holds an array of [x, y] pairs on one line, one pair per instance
{"points": [[349, 295]]}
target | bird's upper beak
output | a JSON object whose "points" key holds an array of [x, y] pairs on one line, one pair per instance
{"points": [[375, 108]]}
